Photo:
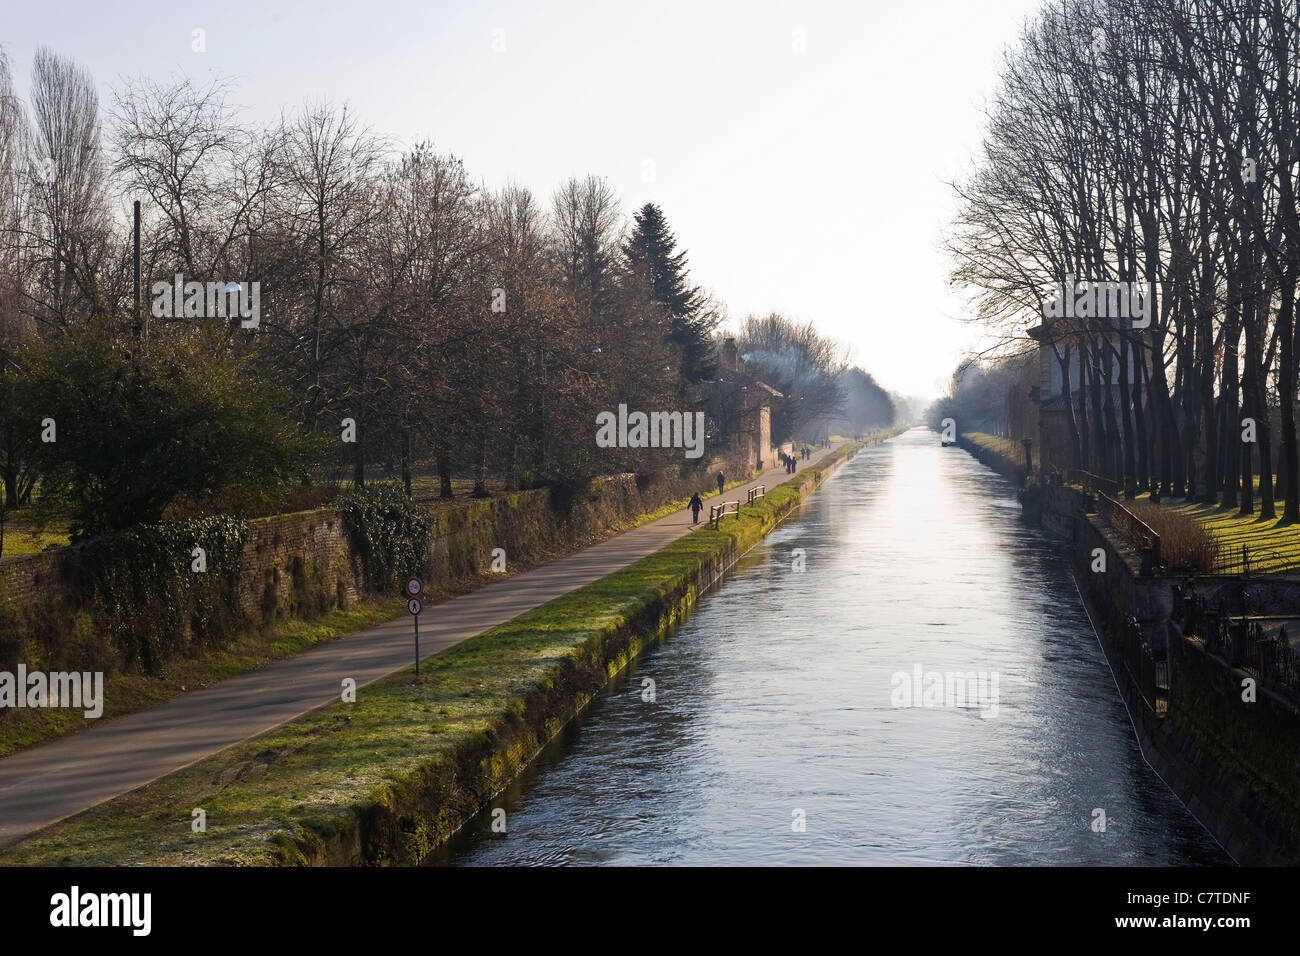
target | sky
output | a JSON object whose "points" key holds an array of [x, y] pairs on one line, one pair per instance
{"points": [[801, 152]]}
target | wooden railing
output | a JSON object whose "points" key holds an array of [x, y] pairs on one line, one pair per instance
{"points": [[720, 511]]}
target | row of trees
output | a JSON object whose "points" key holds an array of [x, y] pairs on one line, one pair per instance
{"points": [[407, 314], [813, 374], [987, 396], [1155, 142]]}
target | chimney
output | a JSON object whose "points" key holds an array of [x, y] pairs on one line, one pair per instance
{"points": [[730, 356]]}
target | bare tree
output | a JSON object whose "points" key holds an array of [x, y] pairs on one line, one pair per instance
{"points": [[67, 176]]}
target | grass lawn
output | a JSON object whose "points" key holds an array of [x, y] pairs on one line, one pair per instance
{"points": [[25, 535], [1233, 530], [1006, 447]]}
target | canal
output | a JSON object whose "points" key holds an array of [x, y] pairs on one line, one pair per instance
{"points": [[771, 735]]}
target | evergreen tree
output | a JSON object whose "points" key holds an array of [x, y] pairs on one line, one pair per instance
{"points": [[652, 256]]}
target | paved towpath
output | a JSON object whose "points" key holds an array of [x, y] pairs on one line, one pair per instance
{"points": [[55, 780]]}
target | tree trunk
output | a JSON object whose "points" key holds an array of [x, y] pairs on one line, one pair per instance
{"points": [[444, 476], [1286, 396], [1231, 410], [406, 459]]}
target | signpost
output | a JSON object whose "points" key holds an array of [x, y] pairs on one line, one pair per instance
{"points": [[414, 605]]}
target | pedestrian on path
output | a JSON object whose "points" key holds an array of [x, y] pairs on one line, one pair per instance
{"points": [[722, 480], [695, 506]]}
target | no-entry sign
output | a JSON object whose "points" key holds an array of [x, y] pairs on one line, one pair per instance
{"points": [[413, 588]]}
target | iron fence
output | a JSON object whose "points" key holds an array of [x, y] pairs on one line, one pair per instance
{"points": [[1132, 529], [1247, 561], [1243, 641], [1093, 484]]}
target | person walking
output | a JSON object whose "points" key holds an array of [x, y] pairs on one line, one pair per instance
{"points": [[695, 506], [722, 480]]}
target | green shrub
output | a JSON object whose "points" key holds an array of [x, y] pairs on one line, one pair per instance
{"points": [[141, 425], [389, 532], [144, 595]]}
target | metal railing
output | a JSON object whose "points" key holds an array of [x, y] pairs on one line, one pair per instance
{"points": [[1240, 640], [1132, 528], [1093, 484], [1246, 561]]}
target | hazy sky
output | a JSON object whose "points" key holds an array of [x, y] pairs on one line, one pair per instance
{"points": [[799, 150]]}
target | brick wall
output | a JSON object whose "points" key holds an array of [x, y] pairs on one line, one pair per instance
{"points": [[298, 565], [24, 576]]}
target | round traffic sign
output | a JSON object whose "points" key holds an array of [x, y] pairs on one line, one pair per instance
{"points": [[414, 606], [414, 587]]}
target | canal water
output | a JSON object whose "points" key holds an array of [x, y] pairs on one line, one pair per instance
{"points": [[779, 729]]}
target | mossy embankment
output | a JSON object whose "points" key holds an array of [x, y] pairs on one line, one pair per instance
{"points": [[390, 777], [1003, 455]]}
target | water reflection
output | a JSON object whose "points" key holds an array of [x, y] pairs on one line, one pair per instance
{"points": [[773, 704]]}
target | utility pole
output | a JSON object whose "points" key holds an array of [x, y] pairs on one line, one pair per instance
{"points": [[141, 321]]}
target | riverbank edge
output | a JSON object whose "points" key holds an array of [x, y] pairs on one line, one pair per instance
{"points": [[1229, 766], [1230, 773], [415, 810]]}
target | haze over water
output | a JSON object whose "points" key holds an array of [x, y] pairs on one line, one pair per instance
{"points": [[775, 696]]}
